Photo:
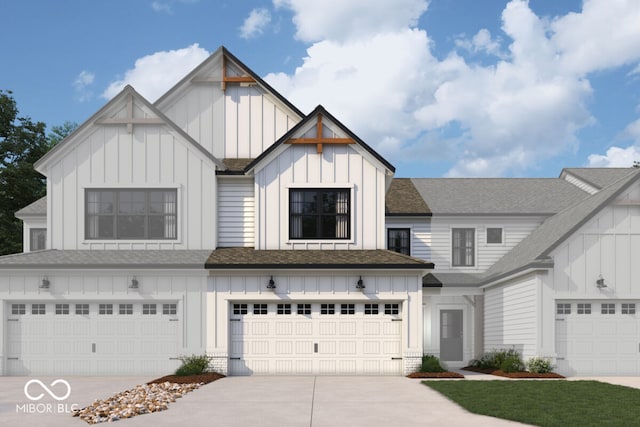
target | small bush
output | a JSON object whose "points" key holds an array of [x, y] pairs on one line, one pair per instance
{"points": [[494, 359], [193, 365], [431, 363], [539, 365], [512, 364]]}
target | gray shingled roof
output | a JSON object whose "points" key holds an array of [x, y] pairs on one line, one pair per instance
{"points": [[157, 259], [497, 196], [37, 208], [243, 258], [452, 279], [598, 177], [234, 166], [402, 199]]}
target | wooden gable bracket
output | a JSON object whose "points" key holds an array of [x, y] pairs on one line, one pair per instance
{"points": [[232, 79], [319, 140], [130, 120]]}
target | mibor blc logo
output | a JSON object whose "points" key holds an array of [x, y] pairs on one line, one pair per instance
{"points": [[35, 390]]}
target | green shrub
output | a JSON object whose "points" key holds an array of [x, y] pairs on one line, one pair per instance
{"points": [[494, 359], [512, 363], [431, 363], [193, 365], [539, 365]]}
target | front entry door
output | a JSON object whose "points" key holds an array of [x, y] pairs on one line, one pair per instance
{"points": [[451, 335]]}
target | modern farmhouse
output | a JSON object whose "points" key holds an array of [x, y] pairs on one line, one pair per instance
{"points": [[222, 220]]}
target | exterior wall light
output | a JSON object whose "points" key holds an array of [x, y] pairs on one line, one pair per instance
{"points": [[134, 283], [600, 282], [360, 285], [45, 283], [272, 285]]}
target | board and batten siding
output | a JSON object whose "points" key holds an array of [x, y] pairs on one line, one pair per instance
{"points": [[511, 315], [236, 212], [420, 232], [149, 157], [338, 166], [514, 229]]}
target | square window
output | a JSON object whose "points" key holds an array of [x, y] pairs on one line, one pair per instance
{"points": [[584, 308], [463, 247], [148, 309], [284, 309], [391, 309], [319, 213], [105, 309], [18, 309], [304, 309], [563, 308], [347, 309], [494, 235], [82, 309], [239, 308], [170, 309], [371, 309], [37, 309], [327, 309], [62, 308], [260, 309], [608, 309], [125, 308], [628, 308]]}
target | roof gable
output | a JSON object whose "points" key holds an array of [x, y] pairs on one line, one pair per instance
{"points": [[35, 209], [312, 130], [596, 177]]}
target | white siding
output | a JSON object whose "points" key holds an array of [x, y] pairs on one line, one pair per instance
{"points": [[420, 234], [301, 166], [511, 316], [514, 229], [236, 213]]}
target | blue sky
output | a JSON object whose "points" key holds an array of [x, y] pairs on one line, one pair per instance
{"points": [[440, 87]]}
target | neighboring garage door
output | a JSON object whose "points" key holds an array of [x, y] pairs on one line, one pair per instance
{"points": [[315, 338], [598, 338], [88, 338]]}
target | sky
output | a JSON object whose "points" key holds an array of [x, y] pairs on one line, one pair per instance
{"points": [[491, 88]]}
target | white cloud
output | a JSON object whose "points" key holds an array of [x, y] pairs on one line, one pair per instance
{"points": [[81, 85], [378, 75], [255, 23], [162, 7], [154, 74], [341, 20], [481, 42], [617, 156]]}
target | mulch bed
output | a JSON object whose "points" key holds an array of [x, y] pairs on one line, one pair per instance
{"points": [[205, 378], [500, 373], [435, 375]]}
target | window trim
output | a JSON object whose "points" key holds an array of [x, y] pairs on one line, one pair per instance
{"points": [[409, 238], [475, 247]]}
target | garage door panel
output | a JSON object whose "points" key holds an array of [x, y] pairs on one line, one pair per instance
{"points": [[328, 328], [260, 328], [304, 328], [284, 328], [347, 328], [304, 347], [347, 348]]}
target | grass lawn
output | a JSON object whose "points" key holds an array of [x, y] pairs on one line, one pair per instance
{"points": [[547, 403]]}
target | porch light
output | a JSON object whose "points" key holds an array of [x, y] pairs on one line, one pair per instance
{"points": [[272, 285], [360, 285], [45, 283], [600, 282], [134, 283]]}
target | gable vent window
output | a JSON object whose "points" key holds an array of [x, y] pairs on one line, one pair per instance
{"points": [[494, 236], [399, 240], [131, 214], [319, 214], [463, 247]]}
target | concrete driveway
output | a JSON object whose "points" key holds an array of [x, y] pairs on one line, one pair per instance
{"points": [[259, 401]]}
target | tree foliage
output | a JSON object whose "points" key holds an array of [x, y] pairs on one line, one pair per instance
{"points": [[22, 143]]}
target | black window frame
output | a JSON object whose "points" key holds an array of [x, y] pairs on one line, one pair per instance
{"points": [[371, 309], [607, 308], [82, 309], [563, 308], [392, 308], [283, 309], [18, 309], [239, 309], [149, 309], [105, 309], [125, 309], [304, 309], [501, 236], [170, 309], [584, 308], [93, 226], [400, 244], [327, 309], [38, 236], [38, 309], [260, 309], [628, 308], [460, 253], [299, 216], [347, 309], [61, 309]]}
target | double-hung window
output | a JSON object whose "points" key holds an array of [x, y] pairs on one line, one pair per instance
{"points": [[320, 213], [37, 239], [136, 214], [399, 240], [463, 247]]}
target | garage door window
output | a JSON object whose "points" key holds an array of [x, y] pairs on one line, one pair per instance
{"points": [[105, 309], [371, 309], [284, 309], [37, 309], [563, 308], [260, 309], [125, 309], [327, 309], [628, 308], [18, 309], [170, 309], [239, 308], [149, 309], [304, 309], [584, 308], [391, 309], [347, 309], [608, 309], [82, 309], [62, 308]]}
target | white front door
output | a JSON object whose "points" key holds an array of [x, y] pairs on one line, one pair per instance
{"points": [[315, 338], [88, 338], [597, 338]]}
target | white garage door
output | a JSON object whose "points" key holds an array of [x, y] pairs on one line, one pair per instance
{"points": [[315, 338], [598, 338], [88, 338]]}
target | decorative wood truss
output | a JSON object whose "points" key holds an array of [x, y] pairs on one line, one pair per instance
{"points": [[129, 120], [319, 140], [226, 79]]}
